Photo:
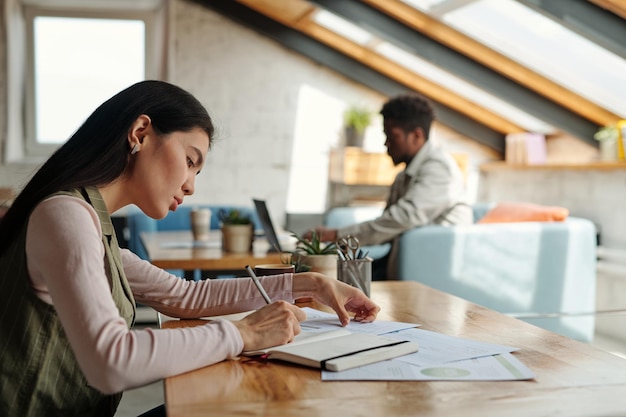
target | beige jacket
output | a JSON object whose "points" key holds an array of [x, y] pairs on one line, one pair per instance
{"points": [[430, 190]]}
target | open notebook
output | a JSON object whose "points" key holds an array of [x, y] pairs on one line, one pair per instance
{"points": [[338, 350]]}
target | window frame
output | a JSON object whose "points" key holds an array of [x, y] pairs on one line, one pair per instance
{"points": [[22, 142]]}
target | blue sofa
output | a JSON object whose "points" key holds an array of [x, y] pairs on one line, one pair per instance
{"points": [[543, 273]]}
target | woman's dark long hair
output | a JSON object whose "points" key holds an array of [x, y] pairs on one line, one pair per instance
{"points": [[99, 152]]}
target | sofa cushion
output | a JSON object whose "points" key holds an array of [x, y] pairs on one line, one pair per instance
{"points": [[508, 212]]}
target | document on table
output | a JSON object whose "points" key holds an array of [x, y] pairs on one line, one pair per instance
{"points": [[504, 367], [434, 347], [442, 357], [320, 321], [440, 348]]}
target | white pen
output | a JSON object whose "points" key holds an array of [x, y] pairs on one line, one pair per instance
{"points": [[256, 281]]}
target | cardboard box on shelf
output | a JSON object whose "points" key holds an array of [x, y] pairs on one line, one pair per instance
{"points": [[352, 165]]}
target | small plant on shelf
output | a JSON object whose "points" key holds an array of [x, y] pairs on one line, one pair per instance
{"points": [[357, 118]]}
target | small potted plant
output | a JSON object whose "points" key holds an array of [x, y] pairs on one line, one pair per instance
{"points": [[314, 255], [237, 231], [608, 137], [356, 119]]}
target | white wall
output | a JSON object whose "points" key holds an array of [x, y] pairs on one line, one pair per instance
{"points": [[277, 112], [598, 195]]}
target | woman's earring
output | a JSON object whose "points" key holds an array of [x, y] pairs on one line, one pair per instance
{"points": [[135, 149]]}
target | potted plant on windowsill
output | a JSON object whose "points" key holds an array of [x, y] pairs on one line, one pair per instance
{"points": [[314, 255], [237, 231], [356, 119]]}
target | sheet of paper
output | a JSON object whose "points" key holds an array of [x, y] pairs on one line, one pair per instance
{"points": [[504, 367], [320, 321], [438, 348]]}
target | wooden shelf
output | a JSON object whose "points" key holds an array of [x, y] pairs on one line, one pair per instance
{"points": [[353, 166], [589, 166]]}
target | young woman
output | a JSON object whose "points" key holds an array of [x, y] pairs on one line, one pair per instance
{"points": [[68, 292]]}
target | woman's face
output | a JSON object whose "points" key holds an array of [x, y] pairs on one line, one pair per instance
{"points": [[166, 168]]}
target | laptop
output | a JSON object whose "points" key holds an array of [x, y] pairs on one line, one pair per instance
{"points": [[268, 226]]}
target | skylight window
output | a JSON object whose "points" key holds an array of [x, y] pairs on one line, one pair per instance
{"points": [[463, 88], [425, 69], [546, 47], [342, 27], [435, 6]]}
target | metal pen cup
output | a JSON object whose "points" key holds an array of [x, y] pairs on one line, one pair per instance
{"points": [[356, 272]]}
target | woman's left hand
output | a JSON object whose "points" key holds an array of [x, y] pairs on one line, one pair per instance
{"points": [[341, 297]]}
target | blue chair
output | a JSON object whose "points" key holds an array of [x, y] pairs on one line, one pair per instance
{"points": [[137, 223]]}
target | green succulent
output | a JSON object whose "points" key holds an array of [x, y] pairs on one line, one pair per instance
{"points": [[314, 246], [298, 265], [233, 216]]}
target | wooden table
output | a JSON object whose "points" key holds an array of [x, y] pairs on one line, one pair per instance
{"points": [[573, 379], [174, 250]]}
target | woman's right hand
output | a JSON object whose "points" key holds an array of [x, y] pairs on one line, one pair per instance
{"points": [[275, 324]]}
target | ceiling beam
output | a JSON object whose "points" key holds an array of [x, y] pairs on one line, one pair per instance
{"points": [[479, 52], [617, 7], [464, 67], [383, 65], [271, 23], [585, 18]]}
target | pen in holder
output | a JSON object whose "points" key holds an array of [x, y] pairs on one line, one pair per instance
{"points": [[356, 272]]}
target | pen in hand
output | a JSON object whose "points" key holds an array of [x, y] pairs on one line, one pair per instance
{"points": [[256, 281]]}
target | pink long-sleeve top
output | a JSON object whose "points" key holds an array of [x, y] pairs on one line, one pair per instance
{"points": [[65, 260]]}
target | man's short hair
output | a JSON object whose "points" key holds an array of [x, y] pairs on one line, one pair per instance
{"points": [[409, 111]]}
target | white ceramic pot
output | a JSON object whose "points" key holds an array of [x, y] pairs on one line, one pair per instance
{"points": [[608, 149], [324, 264], [237, 238]]}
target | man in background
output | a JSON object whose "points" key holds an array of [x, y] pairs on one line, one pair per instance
{"points": [[430, 190]]}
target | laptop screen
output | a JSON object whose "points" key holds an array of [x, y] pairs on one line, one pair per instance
{"points": [[268, 226]]}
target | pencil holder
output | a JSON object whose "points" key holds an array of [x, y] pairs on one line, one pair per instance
{"points": [[356, 272]]}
